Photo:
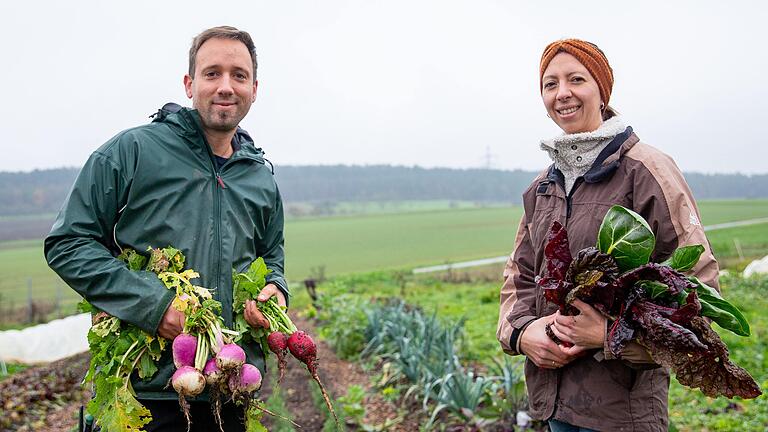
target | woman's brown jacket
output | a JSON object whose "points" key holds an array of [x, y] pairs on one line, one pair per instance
{"points": [[598, 391]]}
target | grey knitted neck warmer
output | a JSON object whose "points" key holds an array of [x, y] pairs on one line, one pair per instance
{"points": [[574, 154]]}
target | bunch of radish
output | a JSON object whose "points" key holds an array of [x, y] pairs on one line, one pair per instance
{"points": [[282, 335]]}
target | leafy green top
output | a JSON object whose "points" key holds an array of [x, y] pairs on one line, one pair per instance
{"points": [[626, 236]]}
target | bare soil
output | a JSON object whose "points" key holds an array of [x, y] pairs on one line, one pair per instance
{"points": [[44, 398], [337, 375]]}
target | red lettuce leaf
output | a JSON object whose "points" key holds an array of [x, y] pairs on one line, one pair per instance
{"points": [[593, 272], [688, 311], [623, 329], [557, 251], [656, 328], [706, 367], [555, 291], [669, 325]]}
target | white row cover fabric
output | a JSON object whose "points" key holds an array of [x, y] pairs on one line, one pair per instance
{"points": [[757, 267], [46, 342]]}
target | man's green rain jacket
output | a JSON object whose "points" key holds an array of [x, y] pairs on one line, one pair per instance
{"points": [[157, 185]]}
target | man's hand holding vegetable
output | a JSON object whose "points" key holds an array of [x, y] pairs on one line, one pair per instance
{"points": [[253, 316], [172, 323]]}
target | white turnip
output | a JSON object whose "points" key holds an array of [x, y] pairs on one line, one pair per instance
{"points": [[188, 382]]}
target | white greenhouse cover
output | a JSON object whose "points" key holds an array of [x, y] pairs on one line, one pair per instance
{"points": [[46, 342]]}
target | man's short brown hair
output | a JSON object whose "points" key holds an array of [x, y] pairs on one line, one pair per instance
{"points": [[221, 32]]}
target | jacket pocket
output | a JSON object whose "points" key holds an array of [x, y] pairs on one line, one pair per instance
{"points": [[621, 374]]}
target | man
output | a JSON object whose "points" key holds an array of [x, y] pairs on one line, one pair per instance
{"points": [[193, 180]]}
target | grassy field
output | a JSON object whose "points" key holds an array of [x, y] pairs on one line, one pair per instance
{"points": [[719, 211], [374, 242], [361, 243], [24, 273]]}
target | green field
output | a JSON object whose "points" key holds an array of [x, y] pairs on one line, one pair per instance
{"points": [[373, 242], [350, 244], [24, 273], [719, 211]]}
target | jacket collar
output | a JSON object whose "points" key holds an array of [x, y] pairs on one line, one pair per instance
{"points": [[607, 161], [186, 122]]}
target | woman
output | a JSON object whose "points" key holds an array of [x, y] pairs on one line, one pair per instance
{"points": [[598, 162]]}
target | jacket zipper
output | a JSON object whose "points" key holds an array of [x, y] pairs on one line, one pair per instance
{"points": [[217, 189], [569, 200], [217, 184]]}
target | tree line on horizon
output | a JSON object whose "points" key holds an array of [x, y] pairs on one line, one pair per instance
{"points": [[43, 191]]}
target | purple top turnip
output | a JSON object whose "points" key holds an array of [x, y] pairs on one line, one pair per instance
{"points": [[248, 381], [230, 357], [213, 375], [184, 350], [188, 381]]}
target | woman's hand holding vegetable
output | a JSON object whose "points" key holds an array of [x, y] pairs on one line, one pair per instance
{"points": [[172, 323], [584, 331], [539, 348], [253, 316]]}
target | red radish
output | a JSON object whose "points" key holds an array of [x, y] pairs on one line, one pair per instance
{"points": [[230, 357], [246, 382], [278, 344], [184, 348], [304, 349], [213, 375]]}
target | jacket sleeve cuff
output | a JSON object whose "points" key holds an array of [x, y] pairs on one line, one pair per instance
{"points": [[605, 353], [518, 327], [157, 315]]}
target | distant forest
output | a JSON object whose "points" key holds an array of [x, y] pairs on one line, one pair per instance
{"points": [[43, 191]]}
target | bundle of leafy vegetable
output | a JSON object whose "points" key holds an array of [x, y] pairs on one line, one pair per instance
{"points": [[247, 286], [118, 348], [282, 335], [654, 304]]}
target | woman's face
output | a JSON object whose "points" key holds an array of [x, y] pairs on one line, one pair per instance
{"points": [[571, 95]]}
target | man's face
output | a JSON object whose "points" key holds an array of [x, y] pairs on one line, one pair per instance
{"points": [[223, 88]]}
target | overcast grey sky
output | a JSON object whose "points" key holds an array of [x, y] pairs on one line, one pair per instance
{"points": [[429, 83]]}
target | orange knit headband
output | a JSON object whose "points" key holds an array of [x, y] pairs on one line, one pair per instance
{"points": [[587, 54]]}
